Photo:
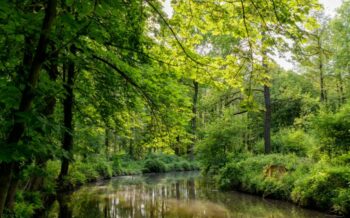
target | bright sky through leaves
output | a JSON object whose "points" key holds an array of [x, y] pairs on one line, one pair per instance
{"points": [[330, 7]]}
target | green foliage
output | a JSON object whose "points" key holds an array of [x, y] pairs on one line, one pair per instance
{"points": [[307, 183], [154, 166], [249, 174], [167, 163], [89, 169], [27, 203], [221, 138], [292, 141], [333, 130], [325, 187]]}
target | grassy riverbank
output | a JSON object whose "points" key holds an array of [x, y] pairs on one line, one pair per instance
{"points": [[100, 167], [321, 185]]}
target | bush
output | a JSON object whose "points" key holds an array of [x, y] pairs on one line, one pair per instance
{"points": [[154, 166], [185, 165], [27, 203], [333, 130], [292, 141], [104, 169], [221, 138], [324, 188], [250, 175], [117, 165], [176, 166]]}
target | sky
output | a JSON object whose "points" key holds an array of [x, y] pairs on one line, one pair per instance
{"points": [[330, 7]]}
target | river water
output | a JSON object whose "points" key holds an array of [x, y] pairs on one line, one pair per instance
{"points": [[182, 195]]}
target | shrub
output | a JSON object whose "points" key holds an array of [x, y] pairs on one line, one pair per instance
{"points": [[185, 165], [117, 166], [104, 169], [333, 130], [325, 188], [221, 138], [26, 203], [194, 165], [250, 175], [292, 141], [177, 166], [230, 176], [154, 166]]}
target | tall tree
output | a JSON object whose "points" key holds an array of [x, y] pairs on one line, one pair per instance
{"points": [[26, 99]]}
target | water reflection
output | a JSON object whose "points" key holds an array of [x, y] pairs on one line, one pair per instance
{"points": [[185, 195]]}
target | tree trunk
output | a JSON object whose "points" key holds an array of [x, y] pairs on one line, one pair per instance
{"points": [[11, 193], [194, 119], [267, 120], [27, 99], [322, 89], [106, 142], [177, 146], [341, 89], [36, 182], [267, 100], [323, 96], [5, 181], [67, 143]]}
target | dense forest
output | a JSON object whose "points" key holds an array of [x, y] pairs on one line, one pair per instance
{"points": [[94, 89]]}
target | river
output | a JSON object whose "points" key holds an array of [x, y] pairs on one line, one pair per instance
{"points": [[182, 195]]}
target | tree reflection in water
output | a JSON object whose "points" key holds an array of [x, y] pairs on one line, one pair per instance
{"points": [[183, 195]]}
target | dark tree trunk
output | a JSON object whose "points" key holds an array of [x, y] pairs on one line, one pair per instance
{"points": [[267, 100], [36, 181], [322, 88], [67, 143], [11, 192], [194, 119], [5, 181], [64, 210], [323, 96], [177, 146], [267, 120], [26, 99], [107, 141]]}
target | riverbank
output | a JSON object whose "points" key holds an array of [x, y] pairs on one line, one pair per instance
{"points": [[82, 172], [322, 185]]}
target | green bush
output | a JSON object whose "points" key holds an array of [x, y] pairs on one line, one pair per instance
{"points": [[333, 130], [104, 169], [194, 165], [342, 160], [154, 166], [249, 174], [221, 138], [176, 166], [288, 141], [117, 165], [185, 165], [27, 203], [324, 188]]}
